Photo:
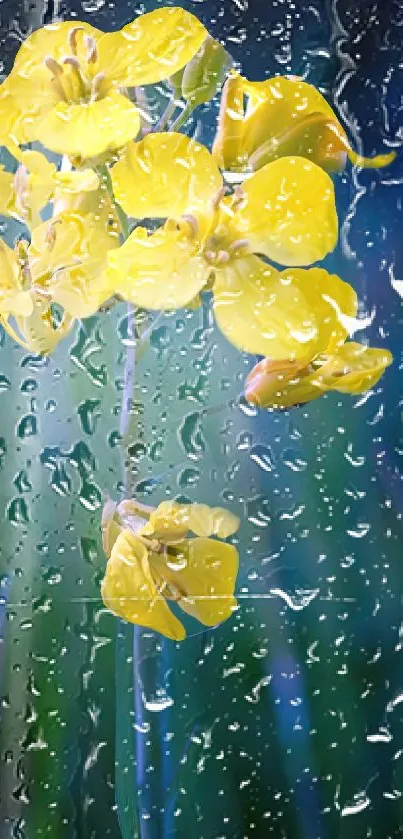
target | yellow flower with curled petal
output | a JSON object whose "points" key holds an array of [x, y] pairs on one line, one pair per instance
{"points": [[336, 366], [283, 116], [68, 85], [286, 212], [151, 561], [37, 181], [63, 264], [26, 303]]}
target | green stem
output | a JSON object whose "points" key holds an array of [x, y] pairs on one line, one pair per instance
{"points": [[105, 176], [165, 116], [183, 117]]}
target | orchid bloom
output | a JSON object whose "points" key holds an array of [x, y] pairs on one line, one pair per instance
{"points": [[152, 561], [286, 212], [68, 85], [283, 116], [335, 366]]}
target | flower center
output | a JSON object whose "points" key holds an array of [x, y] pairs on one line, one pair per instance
{"points": [[74, 77]]}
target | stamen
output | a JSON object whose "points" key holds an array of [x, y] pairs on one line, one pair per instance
{"points": [[192, 221], [239, 198], [217, 198], [76, 79], [96, 87], [53, 66], [222, 257], [92, 51], [21, 250], [50, 236], [57, 72], [73, 62], [72, 37], [238, 244], [210, 255]]}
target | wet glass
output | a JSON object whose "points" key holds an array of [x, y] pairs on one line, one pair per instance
{"points": [[285, 720]]}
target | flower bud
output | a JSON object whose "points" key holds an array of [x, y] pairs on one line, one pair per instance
{"points": [[205, 73]]}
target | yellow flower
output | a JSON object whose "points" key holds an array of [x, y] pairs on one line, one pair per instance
{"points": [[286, 212], [37, 181], [25, 300], [67, 87], [63, 265], [151, 561], [284, 116], [347, 368]]}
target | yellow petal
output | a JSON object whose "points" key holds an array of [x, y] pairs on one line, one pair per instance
{"points": [[26, 101], [210, 521], [283, 116], [77, 181], [40, 333], [7, 196], [289, 212], [333, 301], [202, 575], [68, 256], [171, 521], [129, 591], [165, 175], [352, 369], [167, 523], [355, 368], [262, 311], [110, 527], [315, 137], [228, 142], [160, 271], [152, 47], [89, 129], [13, 299], [51, 40]]}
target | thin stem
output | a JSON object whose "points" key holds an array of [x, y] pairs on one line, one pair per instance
{"points": [[105, 176], [166, 115], [183, 117]]}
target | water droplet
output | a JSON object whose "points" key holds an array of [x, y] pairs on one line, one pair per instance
{"points": [[22, 482], [29, 385], [5, 383], [159, 703], [27, 426], [298, 599], [89, 343], [294, 461], [17, 511], [189, 477], [89, 415], [160, 338], [262, 456], [90, 496], [258, 511], [191, 436]]}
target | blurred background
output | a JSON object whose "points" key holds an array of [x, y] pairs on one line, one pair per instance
{"points": [[287, 720]]}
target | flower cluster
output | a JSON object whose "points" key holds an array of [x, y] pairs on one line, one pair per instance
{"points": [[117, 203]]}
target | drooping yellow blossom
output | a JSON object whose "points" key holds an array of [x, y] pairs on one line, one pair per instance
{"points": [[68, 85], [63, 265], [286, 212], [344, 367], [36, 182], [151, 561], [25, 301], [283, 116]]}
